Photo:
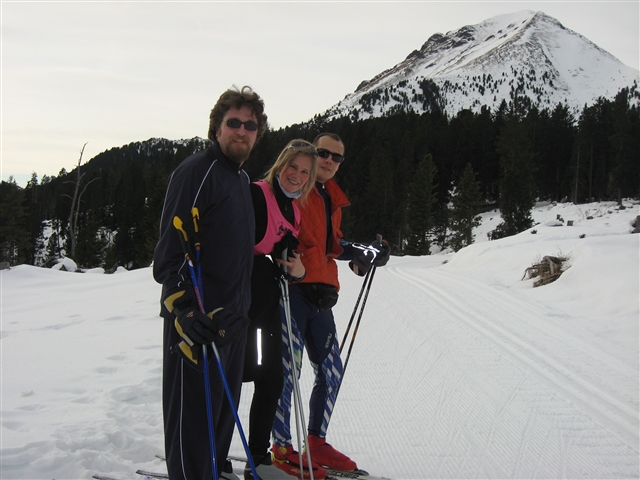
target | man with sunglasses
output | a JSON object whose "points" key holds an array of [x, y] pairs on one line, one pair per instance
{"points": [[311, 300], [212, 187]]}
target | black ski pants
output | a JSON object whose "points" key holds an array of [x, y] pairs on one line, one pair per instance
{"points": [[263, 354], [186, 430]]}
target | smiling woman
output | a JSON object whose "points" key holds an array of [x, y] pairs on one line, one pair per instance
{"points": [[294, 169], [277, 224]]}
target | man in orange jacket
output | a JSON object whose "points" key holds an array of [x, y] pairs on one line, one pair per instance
{"points": [[311, 300]]}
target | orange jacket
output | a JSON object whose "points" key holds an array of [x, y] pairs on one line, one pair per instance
{"points": [[318, 260]]}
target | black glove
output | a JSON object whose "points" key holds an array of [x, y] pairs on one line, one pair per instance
{"points": [[288, 243], [384, 251], [229, 325], [363, 256], [195, 327], [220, 326]]}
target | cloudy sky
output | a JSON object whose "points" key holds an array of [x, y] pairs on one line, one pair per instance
{"points": [[110, 73]]}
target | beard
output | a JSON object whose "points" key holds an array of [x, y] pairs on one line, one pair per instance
{"points": [[236, 152]]}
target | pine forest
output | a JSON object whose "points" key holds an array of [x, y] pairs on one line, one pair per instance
{"points": [[418, 180]]}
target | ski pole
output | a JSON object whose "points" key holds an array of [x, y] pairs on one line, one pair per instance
{"points": [[177, 223], [368, 282], [198, 281], [299, 410], [234, 410], [355, 330], [195, 214], [196, 225], [355, 309]]}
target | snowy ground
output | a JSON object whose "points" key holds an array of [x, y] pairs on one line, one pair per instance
{"points": [[460, 369]]}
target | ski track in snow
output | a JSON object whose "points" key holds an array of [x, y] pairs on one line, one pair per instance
{"points": [[489, 386]]}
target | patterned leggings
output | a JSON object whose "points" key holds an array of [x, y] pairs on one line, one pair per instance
{"points": [[317, 328]]}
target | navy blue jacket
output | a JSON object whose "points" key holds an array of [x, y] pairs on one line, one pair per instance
{"points": [[220, 190]]}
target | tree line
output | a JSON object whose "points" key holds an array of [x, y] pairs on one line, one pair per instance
{"points": [[419, 180]]}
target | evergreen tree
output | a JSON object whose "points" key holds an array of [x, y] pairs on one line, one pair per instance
{"points": [[402, 171], [582, 157], [35, 223], [464, 218], [91, 243], [54, 247], [517, 183], [625, 175], [421, 200], [14, 237], [378, 199]]}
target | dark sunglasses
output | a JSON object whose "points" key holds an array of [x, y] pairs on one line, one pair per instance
{"points": [[249, 125], [336, 157]]}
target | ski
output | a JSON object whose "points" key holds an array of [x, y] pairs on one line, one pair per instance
{"points": [[99, 476], [356, 474], [152, 475], [334, 474]]}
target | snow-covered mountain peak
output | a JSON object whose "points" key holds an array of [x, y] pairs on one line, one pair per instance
{"points": [[526, 53]]}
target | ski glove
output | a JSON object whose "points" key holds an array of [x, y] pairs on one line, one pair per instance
{"points": [[363, 257], [384, 251], [195, 327], [220, 326], [288, 242], [229, 325]]}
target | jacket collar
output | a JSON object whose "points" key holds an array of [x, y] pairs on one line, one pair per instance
{"points": [[216, 152], [338, 197]]}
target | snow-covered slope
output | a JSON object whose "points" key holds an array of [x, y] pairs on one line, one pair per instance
{"points": [[526, 52], [459, 370]]}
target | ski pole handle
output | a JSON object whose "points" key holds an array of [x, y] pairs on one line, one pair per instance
{"points": [[285, 257]]}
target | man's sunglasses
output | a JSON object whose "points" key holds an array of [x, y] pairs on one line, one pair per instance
{"points": [[249, 125], [336, 157]]}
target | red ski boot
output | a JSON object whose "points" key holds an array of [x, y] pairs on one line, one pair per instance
{"points": [[288, 460], [324, 454]]}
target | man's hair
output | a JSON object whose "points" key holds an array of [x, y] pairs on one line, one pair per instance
{"points": [[292, 150], [234, 98], [333, 136]]}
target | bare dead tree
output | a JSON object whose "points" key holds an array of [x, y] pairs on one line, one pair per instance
{"points": [[75, 203]]}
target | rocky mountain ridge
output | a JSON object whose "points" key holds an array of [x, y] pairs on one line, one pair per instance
{"points": [[526, 54]]}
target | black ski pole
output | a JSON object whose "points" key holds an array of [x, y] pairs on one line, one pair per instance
{"points": [[355, 330], [355, 309]]}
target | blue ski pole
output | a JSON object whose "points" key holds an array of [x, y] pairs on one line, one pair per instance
{"points": [[177, 223], [196, 218]]}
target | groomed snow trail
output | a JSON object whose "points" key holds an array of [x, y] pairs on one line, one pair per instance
{"points": [[476, 382]]}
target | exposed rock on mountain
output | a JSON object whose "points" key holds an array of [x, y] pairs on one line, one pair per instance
{"points": [[525, 54]]}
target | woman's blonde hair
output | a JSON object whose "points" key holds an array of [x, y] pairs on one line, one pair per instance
{"points": [[292, 150]]}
